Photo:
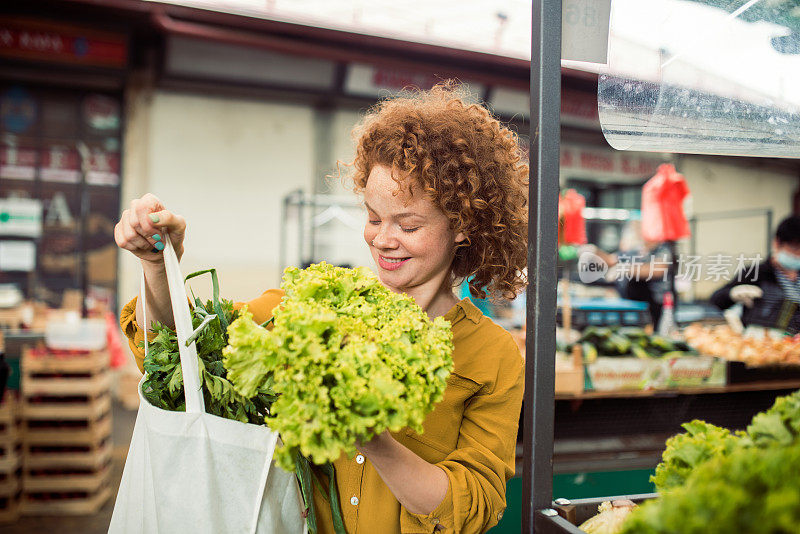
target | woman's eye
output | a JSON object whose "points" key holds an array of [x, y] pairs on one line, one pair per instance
{"points": [[409, 230], [374, 222]]}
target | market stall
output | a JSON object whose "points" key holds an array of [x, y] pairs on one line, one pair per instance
{"points": [[707, 369]]}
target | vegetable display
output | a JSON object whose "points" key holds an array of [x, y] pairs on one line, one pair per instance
{"points": [[629, 341], [713, 481], [610, 518], [349, 359]]}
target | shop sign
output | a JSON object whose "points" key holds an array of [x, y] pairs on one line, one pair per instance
{"points": [[597, 161], [578, 108], [101, 112], [20, 217], [103, 168], [34, 39], [60, 164], [17, 163]]}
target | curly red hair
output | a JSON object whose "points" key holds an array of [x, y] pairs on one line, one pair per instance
{"points": [[469, 165]]}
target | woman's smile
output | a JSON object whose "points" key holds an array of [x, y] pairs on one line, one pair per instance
{"points": [[391, 264]]}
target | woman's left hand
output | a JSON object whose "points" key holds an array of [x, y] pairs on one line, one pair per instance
{"points": [[377, 445]]}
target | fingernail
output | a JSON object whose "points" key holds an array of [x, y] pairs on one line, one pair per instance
{"points": [[157, 237], [155, 250], [160, 246], [153, 217]]}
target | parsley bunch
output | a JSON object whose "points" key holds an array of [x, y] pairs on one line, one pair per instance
{"points": [[163, 386], [349, 359]]}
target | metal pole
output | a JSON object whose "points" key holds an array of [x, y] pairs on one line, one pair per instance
{"points": [[537, 489], [769, 232]]}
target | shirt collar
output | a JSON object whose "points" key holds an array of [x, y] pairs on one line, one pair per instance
{"points": [[463, 309]]}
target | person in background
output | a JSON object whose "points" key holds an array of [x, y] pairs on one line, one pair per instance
{"points": [[770, 292], [641, 269]]}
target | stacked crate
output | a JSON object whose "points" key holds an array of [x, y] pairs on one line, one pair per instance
{"points": [[66, 409], [10, 458]]}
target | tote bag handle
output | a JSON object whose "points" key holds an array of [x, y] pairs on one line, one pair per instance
{"points": [[183, 327]]}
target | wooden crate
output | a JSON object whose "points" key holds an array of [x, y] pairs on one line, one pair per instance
{"points": [[9, 409], [64, 503], [10, 483], [74, 432], [65, 479], [40, 360], [52, 384], [10, 459], [65, 408], [51, 455], [10, 508], [10, 450]]}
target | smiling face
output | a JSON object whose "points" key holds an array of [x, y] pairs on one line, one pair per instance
{"points": [[409, 238]]}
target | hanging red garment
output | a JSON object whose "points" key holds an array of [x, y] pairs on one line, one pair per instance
{"points": [[572, 226], [662, 206]]}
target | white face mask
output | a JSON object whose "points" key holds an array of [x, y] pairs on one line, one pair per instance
{"points": [[788, 261]]}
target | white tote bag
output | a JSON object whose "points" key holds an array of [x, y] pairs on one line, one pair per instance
{"points": [[193, 472]]}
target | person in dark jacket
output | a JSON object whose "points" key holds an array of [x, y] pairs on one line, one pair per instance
{"points": [[770, 293]]}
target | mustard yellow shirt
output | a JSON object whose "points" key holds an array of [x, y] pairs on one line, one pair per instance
{"points": [[471, 434]]}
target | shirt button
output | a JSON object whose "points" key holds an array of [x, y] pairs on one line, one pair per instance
{"points": [[354, 500], [499, 516], [435, 521], [359, 459]]}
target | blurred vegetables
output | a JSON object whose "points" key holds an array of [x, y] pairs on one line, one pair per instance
{"points": [[349, 359], [610, 518], [629, 341], [712, 481], [701, 442], [751, 490]]}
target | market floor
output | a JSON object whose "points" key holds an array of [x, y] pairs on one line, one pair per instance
{"points": [[123, 421]]}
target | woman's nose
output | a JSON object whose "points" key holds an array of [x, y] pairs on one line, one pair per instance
{"points": [[384, 238]]}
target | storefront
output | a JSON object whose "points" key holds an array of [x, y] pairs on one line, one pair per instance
{"points": [[61, 150]]}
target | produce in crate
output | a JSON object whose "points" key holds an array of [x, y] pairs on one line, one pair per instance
{"points": [[629, 341], [713, 481], [747, 491], [351, 359], [723, 342], [701, 442], [610, 518]]}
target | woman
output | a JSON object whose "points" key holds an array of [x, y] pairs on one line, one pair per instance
{"points": [[445, 193]]}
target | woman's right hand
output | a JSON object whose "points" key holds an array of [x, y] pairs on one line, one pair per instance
{"points": [[141, 229]]}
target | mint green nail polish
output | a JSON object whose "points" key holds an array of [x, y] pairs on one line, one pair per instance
{"points": [[153, 217], [156, 237], [160, 245]]}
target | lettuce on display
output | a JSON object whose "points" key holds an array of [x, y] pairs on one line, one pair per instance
{"points": [[347, 358], [712, 481], [701, 442]]}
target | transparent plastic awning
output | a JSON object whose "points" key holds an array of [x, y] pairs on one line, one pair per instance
{"points": [[703, 77]]}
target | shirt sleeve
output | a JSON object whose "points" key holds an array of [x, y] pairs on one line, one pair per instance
{"points": [[477, 471], [135, 335], [261, 307]]}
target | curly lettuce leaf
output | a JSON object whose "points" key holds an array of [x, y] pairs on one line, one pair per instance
{"points": [[347, 358]]}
